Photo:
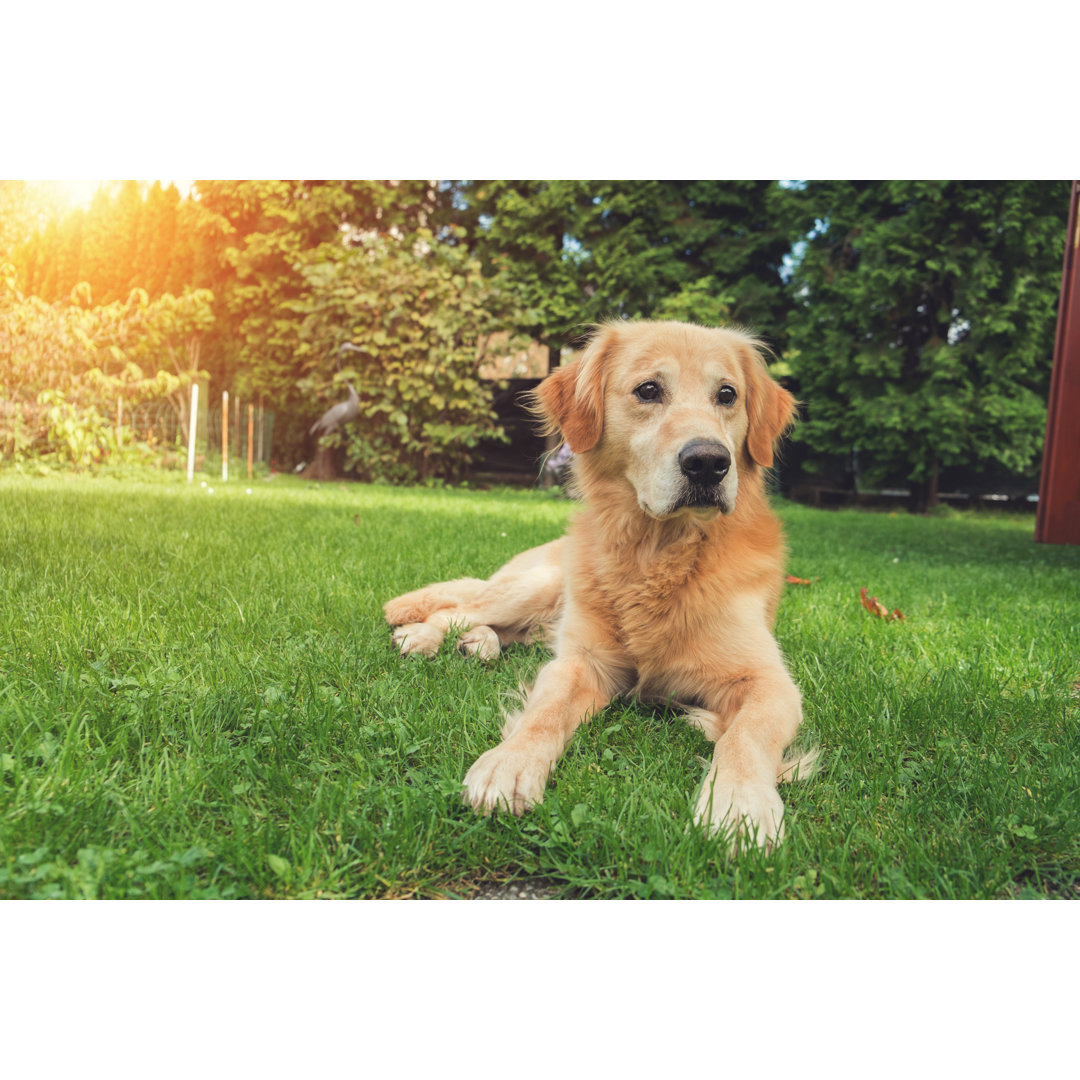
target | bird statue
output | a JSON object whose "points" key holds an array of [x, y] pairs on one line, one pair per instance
{"points": [[337, 414], [343, 411]]}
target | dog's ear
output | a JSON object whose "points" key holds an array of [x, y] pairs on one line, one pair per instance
{"points": [[571, 398], [771, 410]]}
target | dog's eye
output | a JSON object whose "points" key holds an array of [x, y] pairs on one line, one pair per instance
{"points": [[648, 391], [727, 395]]}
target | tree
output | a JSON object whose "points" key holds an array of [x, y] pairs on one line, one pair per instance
{"points": [[926, 324], [253, 241], [531, 238], [704, 250], [418, 310], [572, 252], [258, 237], [156, 239], [23, 211]]}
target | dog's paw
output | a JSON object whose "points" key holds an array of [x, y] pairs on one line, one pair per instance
{"points": [[417, 639], [481, 642], [506, 778], [747, 813], [413, 607]]}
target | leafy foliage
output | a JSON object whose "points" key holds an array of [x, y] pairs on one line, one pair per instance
{"points": [[64, 367], [927, 322], [127, 238], [918, 322], [576, 251], [419, 311], [263, 235]]}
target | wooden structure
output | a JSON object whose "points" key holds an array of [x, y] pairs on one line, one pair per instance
{"points": [[1058, 520]]}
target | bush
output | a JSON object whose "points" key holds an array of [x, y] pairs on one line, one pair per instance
{"points": [[419, 311], [65, 367]]}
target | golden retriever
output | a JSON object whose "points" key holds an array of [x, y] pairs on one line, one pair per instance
{"points": [[667, 582]]}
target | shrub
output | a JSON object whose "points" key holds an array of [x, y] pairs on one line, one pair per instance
{"points": [[65, 367], [419, 311]]}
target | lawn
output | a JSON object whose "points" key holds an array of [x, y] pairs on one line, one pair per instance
{"points": [[198, 698]]}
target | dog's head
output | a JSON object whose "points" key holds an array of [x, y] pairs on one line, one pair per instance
{"points": [[679, 411]]}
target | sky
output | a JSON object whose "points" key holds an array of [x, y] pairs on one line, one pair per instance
{"points": [[80, 193]]}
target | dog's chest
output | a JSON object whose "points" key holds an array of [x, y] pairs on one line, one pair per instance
{"points": [[656, 608]]}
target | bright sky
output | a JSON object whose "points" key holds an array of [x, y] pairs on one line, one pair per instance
{"points": [[81, 192]]}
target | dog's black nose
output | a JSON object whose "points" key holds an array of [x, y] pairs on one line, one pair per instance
{"points": [[704, 462]]}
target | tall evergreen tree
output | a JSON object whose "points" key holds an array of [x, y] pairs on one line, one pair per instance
{"points": [[127, 218], [530, 237], [575, 251], [47, 287], [733, 236], [69, 253], [156, 239], [926, 324], [98, 237]]}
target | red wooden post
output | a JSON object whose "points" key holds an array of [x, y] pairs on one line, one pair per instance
{"points": [[1058, 519]]}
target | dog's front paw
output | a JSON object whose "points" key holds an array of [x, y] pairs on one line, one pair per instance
{"points": [[417, 638], [481, 642], [748, 813], [506, 778]]}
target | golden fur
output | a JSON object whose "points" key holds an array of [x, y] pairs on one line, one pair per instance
{"points": [[667, 582]]}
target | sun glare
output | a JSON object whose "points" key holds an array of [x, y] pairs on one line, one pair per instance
{"points": [[76, 193]]}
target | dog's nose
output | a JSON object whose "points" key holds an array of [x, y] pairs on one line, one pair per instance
{"points": [[704, 462]]}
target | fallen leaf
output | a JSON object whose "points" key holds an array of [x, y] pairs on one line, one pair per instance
{"points": [[792, 580], [876, 607]]}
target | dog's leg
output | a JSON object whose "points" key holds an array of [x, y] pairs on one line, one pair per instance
{"points": [[761, 715], [512, 775], [416, 606], [512, 605]]}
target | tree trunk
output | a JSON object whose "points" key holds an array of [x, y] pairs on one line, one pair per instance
{"points": [[924, 493], [324, 467]]}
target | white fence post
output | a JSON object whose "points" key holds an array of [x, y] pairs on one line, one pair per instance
{"points": [[191, 432]]}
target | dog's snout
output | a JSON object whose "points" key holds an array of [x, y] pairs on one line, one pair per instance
{"points": [[704, 462]]}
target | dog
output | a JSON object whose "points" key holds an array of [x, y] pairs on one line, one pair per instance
{"points": [[665, 586]]}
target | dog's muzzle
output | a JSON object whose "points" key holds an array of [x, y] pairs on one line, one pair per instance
{"points": [[703, 463]]}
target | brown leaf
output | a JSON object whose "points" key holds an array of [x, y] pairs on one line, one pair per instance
{"points": [[876, 607], [792, 580]]}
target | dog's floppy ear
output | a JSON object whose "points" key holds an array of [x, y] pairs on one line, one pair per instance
{"points": [[571, 398], [771, 409]]}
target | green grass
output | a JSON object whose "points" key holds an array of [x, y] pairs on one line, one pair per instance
{"points": [[198, 698]]}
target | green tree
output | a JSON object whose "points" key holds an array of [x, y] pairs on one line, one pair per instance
{"points": [[46, 283], [97, 261], [705, 250], [251, 244], [69, 253], [155, 237], [572, 252], [419, 310], [531, 238], [926, 324], [24, 209]]}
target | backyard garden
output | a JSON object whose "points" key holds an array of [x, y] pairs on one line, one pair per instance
{"points": [[199, 696]]}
